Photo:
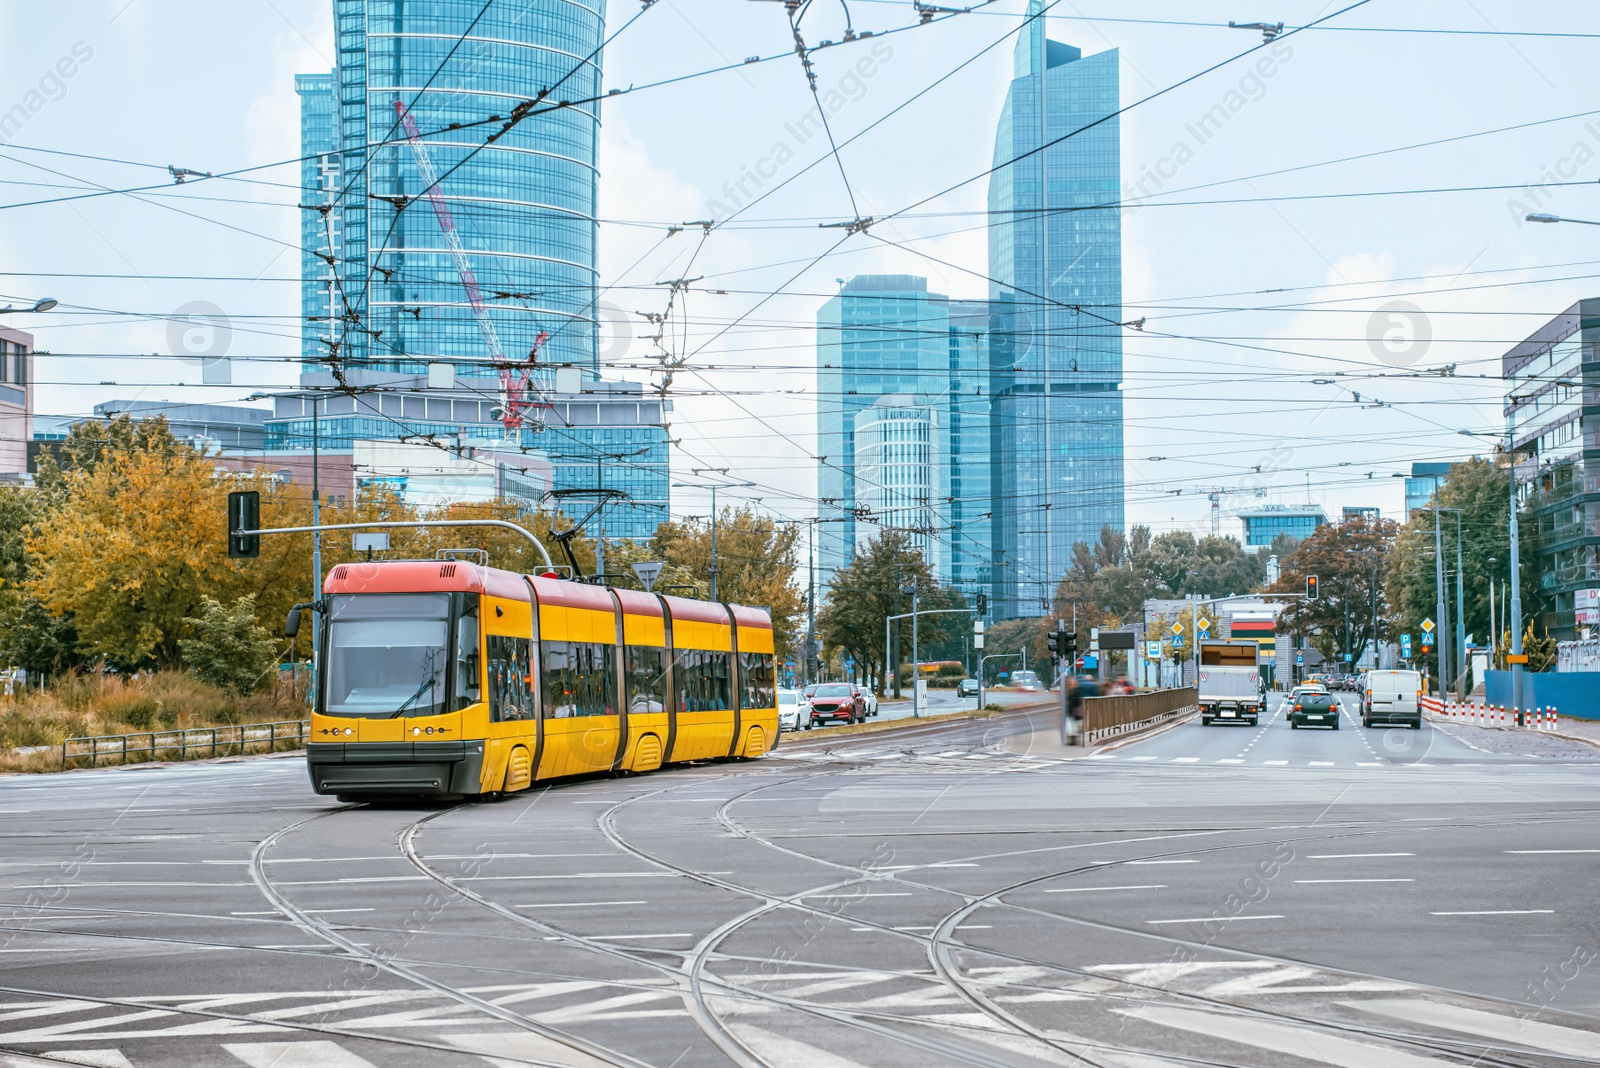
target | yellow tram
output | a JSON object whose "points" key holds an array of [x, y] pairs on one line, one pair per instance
{"points": [[444, 678]]}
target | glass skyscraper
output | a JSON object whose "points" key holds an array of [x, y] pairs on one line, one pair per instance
{"points": [[1055, 345], [881, 336], [523, 207]]}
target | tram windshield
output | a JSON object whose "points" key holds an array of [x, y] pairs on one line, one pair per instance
{"points": [[386, 654]]}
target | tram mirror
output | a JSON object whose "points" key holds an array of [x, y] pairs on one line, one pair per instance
{"points": [[291, 626]]}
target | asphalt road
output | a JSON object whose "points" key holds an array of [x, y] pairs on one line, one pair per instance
{"points": [[965, 893]]}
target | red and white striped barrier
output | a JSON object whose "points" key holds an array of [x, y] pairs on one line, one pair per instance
{"points": [[1482, 715]]}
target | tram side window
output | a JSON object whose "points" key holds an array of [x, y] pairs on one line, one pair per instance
{"points": [[647, 678], [510, 679], [578, 679], [467, 692], [702, 682], [758, 687]]}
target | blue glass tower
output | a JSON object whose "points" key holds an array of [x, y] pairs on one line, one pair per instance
{"points": [[1055, 347], [524, 210], [524, 206], [880, 336]]}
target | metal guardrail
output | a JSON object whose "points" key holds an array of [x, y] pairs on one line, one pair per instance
{"points": [[187, 744], [1107, 717]]}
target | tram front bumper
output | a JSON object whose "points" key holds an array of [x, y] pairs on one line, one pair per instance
{"points": [[428, 769]]}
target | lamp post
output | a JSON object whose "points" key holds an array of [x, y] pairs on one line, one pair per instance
{"points": [[600, 483], [713, 487], [1438, 583], [1516, 552], [43, 304]]}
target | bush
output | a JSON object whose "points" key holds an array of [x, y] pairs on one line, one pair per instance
{"points": [[229, 648], [952, 671]]}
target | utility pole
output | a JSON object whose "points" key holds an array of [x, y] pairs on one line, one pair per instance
{"points": [[1046, 335], [1438, 582], [600, 518], [811, 603], [316, 535], [1516, 572], [1461, 621]]}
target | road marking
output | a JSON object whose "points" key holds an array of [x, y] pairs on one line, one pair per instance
{"points": [[1369, 763], [952, 865], [835, 897], [1143, 758], [1230, 760], [1219, 919], [1184, 760], [1275, 763], [1340, 856], [1498, 912], [1539, 852], [1317, 1047], [579, 904], [101, 1058], [1094, 889], [1517, 1030], [634, 937], [1320, 764], [1355, 880], [323, 911], [1163, 862], [299, 1054]]}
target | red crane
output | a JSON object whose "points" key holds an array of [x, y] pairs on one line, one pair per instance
{"points": [[515, 378]]}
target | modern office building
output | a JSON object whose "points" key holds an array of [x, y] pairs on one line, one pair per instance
{"points": [[901, 480], [213, 427], [523, 206], [1371, 513], [16, 403], [1557, 451], [880, 336], [1424, 479], [609, 436], [523, 211], [1055, 257], [971, 542], [1266, 522]]}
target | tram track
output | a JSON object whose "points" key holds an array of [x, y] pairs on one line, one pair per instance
{"points": [[316, 928]]}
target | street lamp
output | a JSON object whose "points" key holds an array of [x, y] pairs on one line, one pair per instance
{"points": [[1516, 554], [1438, 581], [1545, 217], [713, 487], [600, 484], [43, 304]]}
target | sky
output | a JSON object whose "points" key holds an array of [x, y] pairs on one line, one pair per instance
{"points": [[1327, 279]]}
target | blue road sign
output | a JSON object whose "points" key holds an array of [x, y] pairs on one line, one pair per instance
{"points": [[1347, 658], [1299, 658], [1202, 636], [1405, 646], [1177, 640]]}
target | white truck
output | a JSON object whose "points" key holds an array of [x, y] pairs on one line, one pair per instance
{"points": [[1230, 681]]}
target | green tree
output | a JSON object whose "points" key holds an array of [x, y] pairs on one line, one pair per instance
{"points": [[866, 592], [1350, 560], [229, 648], [756, 563]]}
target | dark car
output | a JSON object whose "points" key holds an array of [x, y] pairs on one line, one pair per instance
{"points": [[837, 702], [1312, 709], [967, 688]]}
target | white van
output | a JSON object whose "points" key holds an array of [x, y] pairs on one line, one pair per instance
{"points": [[1391, 697]]}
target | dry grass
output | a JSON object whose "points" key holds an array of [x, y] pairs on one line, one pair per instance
{"points": [[95, 703]]}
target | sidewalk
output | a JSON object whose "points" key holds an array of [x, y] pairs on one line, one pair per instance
{"points": [[1045, 739]]}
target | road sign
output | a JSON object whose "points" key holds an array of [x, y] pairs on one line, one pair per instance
{"points": [[977, 641], [1347, 658], [1152, 650], [1177, 628], [1177, 641], [1203, 623], [1516, 658], [1427, 626], [1079, 661], [1202, 634], [1299, 658], [647, 574], [1405, 646]]}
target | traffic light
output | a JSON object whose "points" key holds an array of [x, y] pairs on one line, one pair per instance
{"points": [[1052, 642], [1311, 587], [1069, 646], [244, 513], [983, 604]]}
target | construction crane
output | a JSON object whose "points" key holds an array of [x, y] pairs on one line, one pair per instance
{"points": [[516, 379], [1214, 495]]}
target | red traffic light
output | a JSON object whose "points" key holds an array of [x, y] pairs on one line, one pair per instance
{"points": [[1311, 587]]}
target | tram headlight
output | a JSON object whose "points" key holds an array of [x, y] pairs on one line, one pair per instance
{"points": [[416, 730]]}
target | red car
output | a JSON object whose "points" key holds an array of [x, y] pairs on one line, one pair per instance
{"points": [[837, 702]]}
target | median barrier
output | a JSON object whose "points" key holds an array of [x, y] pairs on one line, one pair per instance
{"points": [[1108, 717], [1477, 714]]}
